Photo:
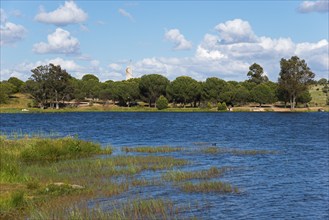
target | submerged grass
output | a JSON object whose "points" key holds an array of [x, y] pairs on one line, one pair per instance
{"points": [[131, 209], [233, 151], [203, 174], [51, 173], [206, 187], [149, 149]]}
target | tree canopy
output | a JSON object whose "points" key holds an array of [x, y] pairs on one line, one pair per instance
{"points": [[294, 77]]}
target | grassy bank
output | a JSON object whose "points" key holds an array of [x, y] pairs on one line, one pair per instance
{"points": [[58, 178], [44, 177], [21, 101]]}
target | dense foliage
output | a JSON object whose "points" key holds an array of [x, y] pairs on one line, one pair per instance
{"points": [[51, 86]]}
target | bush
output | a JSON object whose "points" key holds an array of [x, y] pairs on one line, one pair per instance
{"points": [[52, 150], [162, 103], [221, 106]]}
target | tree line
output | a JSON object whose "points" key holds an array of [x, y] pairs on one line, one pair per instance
{"points": [[51, 86]]}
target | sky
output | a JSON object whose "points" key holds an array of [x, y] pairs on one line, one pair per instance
{"points": [[199, 39]]}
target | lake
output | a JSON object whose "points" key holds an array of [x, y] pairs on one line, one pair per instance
{"points": [[292, 183]]}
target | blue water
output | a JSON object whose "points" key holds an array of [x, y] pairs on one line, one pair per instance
{"points": [[294, 183]]}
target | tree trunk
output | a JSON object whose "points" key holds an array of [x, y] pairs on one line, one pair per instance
{"points": [[57, 105]]}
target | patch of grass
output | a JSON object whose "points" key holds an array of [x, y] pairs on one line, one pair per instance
{"points": [[131, 209], [203, 174], [51, 150], [205, 187], [148, 149], [149, 162], [210, 150], [233, 151], [318, 96]]}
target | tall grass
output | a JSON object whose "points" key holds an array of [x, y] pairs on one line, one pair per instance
{"points": [[149, 149], [206, 187], [203, 174]]}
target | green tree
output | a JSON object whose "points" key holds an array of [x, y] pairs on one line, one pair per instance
{"points": [[304, 98], [88, 77], [17, 83], [294, 78], [263, 94], [212, 88], [242, 95], [6, 89], [49, 83], [152, 86], [229, 94], [90, 86], [185, 89], [221, 106], [256, 74], [162, 103], [323, 81]]}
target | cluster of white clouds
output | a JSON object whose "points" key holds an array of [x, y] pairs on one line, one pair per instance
{"points": [[314, 6], [178, 39], [226, 54], [69, 13], [60, 41], [10, 33]]}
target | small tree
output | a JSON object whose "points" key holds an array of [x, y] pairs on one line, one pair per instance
{"points": [[221, 106], [162, 103]]}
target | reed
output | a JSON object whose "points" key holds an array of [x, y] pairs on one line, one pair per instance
{"points": [[233, 151], [149, 149], [203, 174], [206, 187]]}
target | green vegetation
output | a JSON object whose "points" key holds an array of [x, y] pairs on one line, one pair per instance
{"points": [[233, 151], [221, 106], [161, 149], [205, 187], [203, 174], [162, 103], [51, 87], [131, 209], [43, 176], [295, 76]]}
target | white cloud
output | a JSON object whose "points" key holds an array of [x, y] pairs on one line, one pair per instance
{"points": [[235, 31], [178, 39], [10, 33], [126, 14], [115, 67], [212, 58], [60, 41], [314, 6], [69, 13]]}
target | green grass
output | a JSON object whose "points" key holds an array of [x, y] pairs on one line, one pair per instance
{"points": [[233, 151], [131, 209], [318, 97], [203, 174], [206, 187], [149, 149], [50, 173]]}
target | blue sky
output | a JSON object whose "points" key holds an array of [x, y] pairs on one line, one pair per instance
{"points": [[196, 38]]}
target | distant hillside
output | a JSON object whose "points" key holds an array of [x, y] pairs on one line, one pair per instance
{"points": [[318, 96]]}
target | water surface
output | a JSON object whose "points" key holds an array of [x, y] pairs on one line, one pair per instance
{"points": [[294, 183]]}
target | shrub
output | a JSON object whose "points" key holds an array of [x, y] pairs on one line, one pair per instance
{"points": [[162, 103], [52, 150], [221, 106]]}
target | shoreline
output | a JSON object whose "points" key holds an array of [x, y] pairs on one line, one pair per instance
{"points": [[154, 110]]}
